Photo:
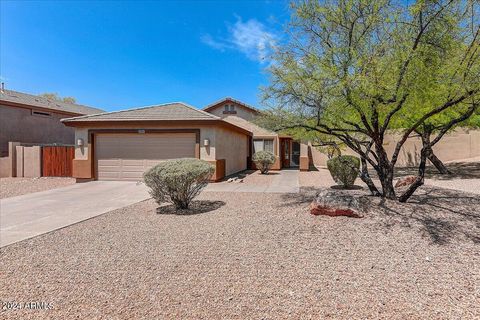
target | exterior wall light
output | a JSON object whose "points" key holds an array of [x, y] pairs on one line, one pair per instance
{"points": [[206, 142], [79, 142]]}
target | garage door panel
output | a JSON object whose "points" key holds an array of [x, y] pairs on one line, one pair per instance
{"points": [[132, 175], [151, 163], [127, 156], [130, 162], [108, 175], [109, 162]]}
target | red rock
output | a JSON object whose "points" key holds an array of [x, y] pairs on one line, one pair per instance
{"points": [[405, 181], [317, 209]]}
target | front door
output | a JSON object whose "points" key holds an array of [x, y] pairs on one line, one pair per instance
{"points": [[285, 152]]}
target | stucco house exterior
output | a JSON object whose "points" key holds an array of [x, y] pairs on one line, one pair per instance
{"points": [[289, 153], [121, 145], [27, 118]]}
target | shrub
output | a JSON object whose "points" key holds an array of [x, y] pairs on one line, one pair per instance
{"points": [[178, 181], [344, 169], [263, 160]]}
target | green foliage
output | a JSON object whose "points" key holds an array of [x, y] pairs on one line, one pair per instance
{"points": [[178, 181], [263, 160], [54, 96], [344, 169], [356, 70]]}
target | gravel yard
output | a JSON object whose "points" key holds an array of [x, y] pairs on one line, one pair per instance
{"points": [[11, 187], [465, 177], [256, 256]]}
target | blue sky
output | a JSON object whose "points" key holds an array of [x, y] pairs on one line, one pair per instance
{"points": [[115, 55]]}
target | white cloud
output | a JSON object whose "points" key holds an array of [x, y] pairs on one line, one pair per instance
{"points": [[251, 38], [208, 40]]}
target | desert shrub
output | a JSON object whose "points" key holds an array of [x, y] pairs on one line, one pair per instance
{"points": [[344, 169], [263, 160], [178, 181]]}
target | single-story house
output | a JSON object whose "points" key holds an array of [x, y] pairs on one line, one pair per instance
{"points": [[121, 145], [27, 118]]}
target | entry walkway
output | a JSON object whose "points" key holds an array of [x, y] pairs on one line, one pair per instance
{"points": [[29, 215], [284, 181]]}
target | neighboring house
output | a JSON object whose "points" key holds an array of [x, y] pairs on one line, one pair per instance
{"points": [[27, 118], [121, 145], [289, 153]]}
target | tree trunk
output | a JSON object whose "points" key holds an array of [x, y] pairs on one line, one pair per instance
{"points": [[425, 135], [424, 154], [366, 178], [438, 164], [385, 173]]}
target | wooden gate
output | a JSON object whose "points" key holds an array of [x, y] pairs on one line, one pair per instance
{"points": [[57, 161]]}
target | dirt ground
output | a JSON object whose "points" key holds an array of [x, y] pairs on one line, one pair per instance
{"points": [[12, 187], [255, 256]]}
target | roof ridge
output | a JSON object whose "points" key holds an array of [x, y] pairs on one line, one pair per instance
{"points": [[183, 104], [233, 100], [120, 111], [199, 110]]}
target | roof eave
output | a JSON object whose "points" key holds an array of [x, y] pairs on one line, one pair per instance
{"points": [[139, 122], [31, 106]]}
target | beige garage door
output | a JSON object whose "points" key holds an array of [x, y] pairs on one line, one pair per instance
{"points": [[127, 156]]}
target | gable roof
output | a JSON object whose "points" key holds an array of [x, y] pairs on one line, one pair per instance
{"points": [[229, 99], [25, 99], [168, 111], [249, 126]]}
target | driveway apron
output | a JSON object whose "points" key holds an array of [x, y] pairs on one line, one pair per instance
{"points": [[29, 215]]}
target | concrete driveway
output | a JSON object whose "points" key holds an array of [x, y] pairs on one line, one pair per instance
{"points": [[33, 214], [285, 181]]}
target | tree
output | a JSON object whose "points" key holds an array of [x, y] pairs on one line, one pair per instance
{"points": [[55, 96], [356, 69]]}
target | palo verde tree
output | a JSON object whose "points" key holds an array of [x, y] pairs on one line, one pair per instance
{"points": [[356, 69]]}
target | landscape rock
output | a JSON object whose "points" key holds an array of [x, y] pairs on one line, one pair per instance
{"points": [[335, 203], [405, 181]]}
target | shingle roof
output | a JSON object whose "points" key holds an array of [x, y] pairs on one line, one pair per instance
{"points": [[216, 103], [168, 111], [249, 126], [41, 102]]}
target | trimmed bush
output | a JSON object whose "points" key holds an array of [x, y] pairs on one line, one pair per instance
{"points": [[344, 169], [178, 181], [263, 160]]}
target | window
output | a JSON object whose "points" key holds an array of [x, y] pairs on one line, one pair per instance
{"points": [[262, 144], [229, 108]]}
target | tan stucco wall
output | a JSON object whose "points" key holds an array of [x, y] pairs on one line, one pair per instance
{"points": [[233, 147], [223, 144], [28, 161], [242, 112], [18, 124], [81, 152], [8, 164], [208, 152], [458, 145]]}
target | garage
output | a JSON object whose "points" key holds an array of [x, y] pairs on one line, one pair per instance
{"points": [[122, 145], [126, 156]]}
